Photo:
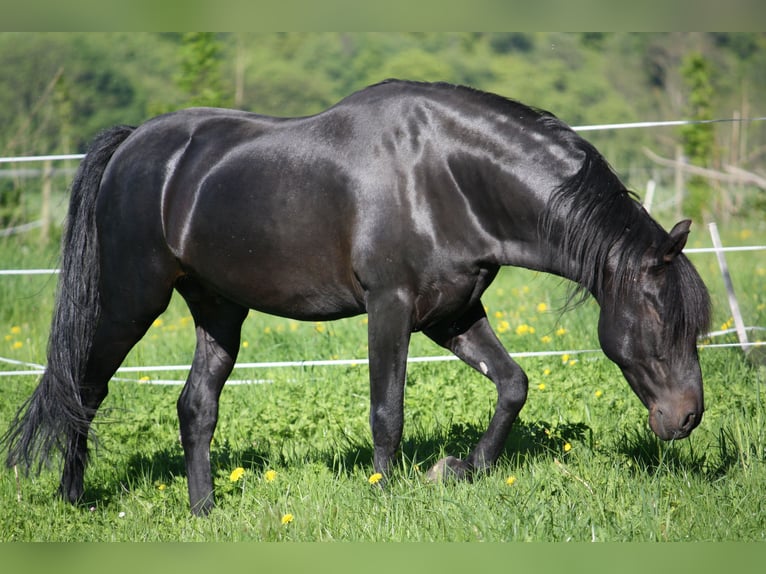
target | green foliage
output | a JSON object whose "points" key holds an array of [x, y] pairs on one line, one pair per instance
{"points": [[698, 139], [580, 463], [200, 70]]}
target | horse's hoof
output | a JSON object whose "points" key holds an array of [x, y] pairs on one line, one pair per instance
{"points": [[449, 468]]}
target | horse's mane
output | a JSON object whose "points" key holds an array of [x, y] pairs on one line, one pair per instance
{"points": [[596, 218]]}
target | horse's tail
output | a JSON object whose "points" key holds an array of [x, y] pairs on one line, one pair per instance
{"points": [[55, 415]]}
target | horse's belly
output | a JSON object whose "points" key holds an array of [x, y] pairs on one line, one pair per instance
{"points": [[302, 284]]}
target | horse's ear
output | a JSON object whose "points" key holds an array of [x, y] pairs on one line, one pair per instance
{"points": [[676, 241]]}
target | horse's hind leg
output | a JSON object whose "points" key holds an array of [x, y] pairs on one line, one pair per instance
{"points": [[120, 328], [471, 338], [218, 324]]}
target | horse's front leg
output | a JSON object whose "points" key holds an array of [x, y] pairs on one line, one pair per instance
{"points": [[471, 339], [389, 330]]}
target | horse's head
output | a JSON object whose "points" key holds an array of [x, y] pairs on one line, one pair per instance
{"points": [[650, 331]]}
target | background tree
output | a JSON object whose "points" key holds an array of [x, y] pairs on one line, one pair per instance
{"points": [[200, 70], [698, 140]]}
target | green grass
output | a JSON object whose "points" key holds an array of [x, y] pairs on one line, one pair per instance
{"points": [[581, 460]]}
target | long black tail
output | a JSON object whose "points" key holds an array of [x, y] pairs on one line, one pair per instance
{"points": [[54, 415]]}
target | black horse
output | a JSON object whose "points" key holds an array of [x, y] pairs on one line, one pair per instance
{"points": [[402, 201]]}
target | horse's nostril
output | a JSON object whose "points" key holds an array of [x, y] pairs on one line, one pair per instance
{"points": [[688, 422]]}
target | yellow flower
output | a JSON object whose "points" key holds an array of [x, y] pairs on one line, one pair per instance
{"points": [[8, 337], [375, 478], [287, 518], [144, 379], [547, 372], [510, 481], [567, 447], [319, 327], [503, 326], [15, 330], [245, 344], [525, 329], [541, 386], [564, 358], [18, 345], [236, 474], [161, 487], [270, 475], [598, 393], [560, 332], [542, 307], [267, 330], [499, 314], [545, 339], [157, 322]]}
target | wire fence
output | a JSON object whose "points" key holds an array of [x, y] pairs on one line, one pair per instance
{"points": [[22, 368]]}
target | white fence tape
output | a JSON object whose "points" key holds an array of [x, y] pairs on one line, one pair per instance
{"points": [[588, 128], [688, 250], [35, 369]]}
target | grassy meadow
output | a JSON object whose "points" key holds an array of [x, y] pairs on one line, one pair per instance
{"points": [[292, 453]]}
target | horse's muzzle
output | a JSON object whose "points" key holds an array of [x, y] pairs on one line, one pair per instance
{"points": [[675, 422]]}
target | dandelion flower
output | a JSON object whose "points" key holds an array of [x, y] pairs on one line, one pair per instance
{"points": [[161, 487], [560, 332], [287, 518], [545, 339], [542, 307], [375, 478], [503, 326], [510, 481], [499, 314], [236, 474], [270, 475], [158, 322], [598, 393], [547, 372], [567, 447], [564, 358], [245, 344], [15, 330], [319, 327], [541, 386], [525, 329]]}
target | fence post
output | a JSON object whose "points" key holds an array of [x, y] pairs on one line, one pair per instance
{"points": [[739, 324], [45, 208], [679, 181]]}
